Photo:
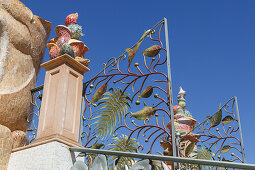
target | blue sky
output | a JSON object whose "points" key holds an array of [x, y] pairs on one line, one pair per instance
{"points": [[211, 46]]}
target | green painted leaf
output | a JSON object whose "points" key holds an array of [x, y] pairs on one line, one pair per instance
{"points": [[99, 93], [145, 113], [112, 109], [190, 148], [147, 92], [125, 145], [132, 52], [216, 119], [227, 119], [152, 51], [225, 149], [97, 145]]}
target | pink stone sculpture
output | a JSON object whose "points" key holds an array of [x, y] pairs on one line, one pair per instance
{"points": [[23, 36]]}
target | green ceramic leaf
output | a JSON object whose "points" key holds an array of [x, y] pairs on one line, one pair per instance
{"points": [[190, 148], [227, 119], [147, 92], [225, 149], [152, 51], [216, 119], [99, 93]]}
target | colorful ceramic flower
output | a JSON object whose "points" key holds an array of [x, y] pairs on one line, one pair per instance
{"points": [[54, 50], [76, 31], [83, 61], [79, 47], [67, 49], [175, 108], [63, 35], [71, 19]]}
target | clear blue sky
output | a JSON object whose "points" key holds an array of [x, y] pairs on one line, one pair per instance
{"points": [[211, 45]]}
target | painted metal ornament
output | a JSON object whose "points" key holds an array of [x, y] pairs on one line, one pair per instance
{"points": [[99, 93], [145, 113], [152, 51]]}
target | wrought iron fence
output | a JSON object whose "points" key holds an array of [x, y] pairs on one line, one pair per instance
{"points": [[112, 105], [33, 118]]}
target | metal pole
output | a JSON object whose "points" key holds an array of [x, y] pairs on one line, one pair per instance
{"points": [[170, 89], [240, 130], [165, 158]]}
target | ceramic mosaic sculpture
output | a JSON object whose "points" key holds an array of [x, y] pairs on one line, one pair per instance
{"points": [[22, 45], [67, 41], [184, 124]]}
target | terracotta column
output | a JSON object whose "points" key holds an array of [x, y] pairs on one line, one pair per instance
{"points": [[61, 103]]}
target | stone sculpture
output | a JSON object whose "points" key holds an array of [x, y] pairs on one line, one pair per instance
{"points": [[22, 44], [67, 41]]}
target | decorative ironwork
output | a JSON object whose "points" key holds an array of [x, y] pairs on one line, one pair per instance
{"points": [[112, 104], [220, 133], [33, 118], [135, 79]]}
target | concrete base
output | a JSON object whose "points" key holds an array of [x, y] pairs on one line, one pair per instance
{"points": [[48, 156]]}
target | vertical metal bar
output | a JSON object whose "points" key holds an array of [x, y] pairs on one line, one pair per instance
{"points": [[170, 88], [81, 119], [240, 130]]}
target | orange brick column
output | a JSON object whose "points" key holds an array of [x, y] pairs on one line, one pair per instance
{"points": [[61, 102]]}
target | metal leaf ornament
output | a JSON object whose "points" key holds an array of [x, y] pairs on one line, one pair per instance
{"points": [[97, 145], [145, 113], [227, 119], [124, 144], [225, 149], [216, 119], [113, 107], [190, 148], [152, 51], [99, 93], [132, 52], [147, 92]]}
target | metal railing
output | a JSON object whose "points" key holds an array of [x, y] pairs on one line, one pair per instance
{"points": [[165, 158]]}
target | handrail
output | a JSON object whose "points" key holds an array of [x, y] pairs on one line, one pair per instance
{"points": [[165, 158]]}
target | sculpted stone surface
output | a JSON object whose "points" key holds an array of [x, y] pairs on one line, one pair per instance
{"points": [[22, 45], [6, 144]]}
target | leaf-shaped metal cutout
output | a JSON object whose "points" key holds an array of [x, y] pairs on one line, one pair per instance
{"points": [[225, 149], [145, 113], [132, 52], [152, 51], [99, 93], [190, 148], [147, 92], [216, 119], [227, 119]]}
